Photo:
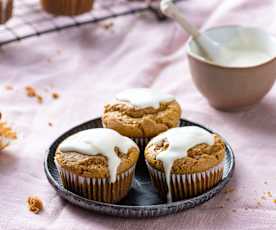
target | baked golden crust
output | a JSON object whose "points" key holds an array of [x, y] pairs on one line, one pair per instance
{"points": [[67, 7], [5, 11], [94, 166], [131, 121], [200, 158]]}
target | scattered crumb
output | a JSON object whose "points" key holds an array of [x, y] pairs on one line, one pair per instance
{"points": [[59, 51], [259, 203], [9, 87], [269, 194], [50, 124], [35, 205], [234, 210], [221, 206], [55, 95], [39, 99], [263, 197], [265, 182], [30, 91], [227, 199], [107, 25], [245, 209], [49, 60], [6, 134], [228, 190]]}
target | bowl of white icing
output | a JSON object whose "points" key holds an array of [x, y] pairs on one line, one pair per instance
{"points": [[248, 73]]}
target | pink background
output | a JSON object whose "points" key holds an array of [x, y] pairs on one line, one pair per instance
{"points": [[87, 67]]}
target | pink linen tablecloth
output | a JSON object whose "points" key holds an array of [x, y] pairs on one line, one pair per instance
{"points": [[87, 66]]}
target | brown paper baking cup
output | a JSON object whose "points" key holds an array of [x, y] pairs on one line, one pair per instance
{"points": [[67, 7], [99, 189], [6, 10], [186, 185]]}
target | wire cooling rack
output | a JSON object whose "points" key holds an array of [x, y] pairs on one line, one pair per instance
{"points": [[30, 20]]}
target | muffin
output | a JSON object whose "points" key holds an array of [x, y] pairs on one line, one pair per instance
{"points": [[6, 8], [97, 164], [67, 7], [141, 113], [185, 162]]}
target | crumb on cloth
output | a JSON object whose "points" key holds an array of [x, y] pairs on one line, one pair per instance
{"points": [[39, 99], [35, 204], [9, 87], [228, 190], [55, 95], [6, 134], [31, 92]]}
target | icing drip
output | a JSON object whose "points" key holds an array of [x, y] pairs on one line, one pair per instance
{"points": [[180, 141], [101, 140], [144, 97]]}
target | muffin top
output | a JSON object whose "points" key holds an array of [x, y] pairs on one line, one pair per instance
{"points": [[97, 153], [184, 150], [141, 113]]}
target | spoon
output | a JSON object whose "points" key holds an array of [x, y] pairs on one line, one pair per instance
{"points": [[212, 50]]}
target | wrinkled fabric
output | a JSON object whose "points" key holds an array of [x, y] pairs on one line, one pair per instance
{"points": [[87, 66]]}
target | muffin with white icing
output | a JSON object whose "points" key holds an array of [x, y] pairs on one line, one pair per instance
{"points": [[185, 162], [6, 9], [141, 113], [97, 164], [67, 7]]}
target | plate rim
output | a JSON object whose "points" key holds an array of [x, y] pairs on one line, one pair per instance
{"points": [[62, 191]]}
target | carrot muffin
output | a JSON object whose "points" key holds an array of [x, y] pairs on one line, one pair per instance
{"points": [[97, 164], [141, 112], [6, 8], [67, 7], [185, 162]]}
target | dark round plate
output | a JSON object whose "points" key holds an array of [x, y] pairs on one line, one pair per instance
{"points": [[142, 199]]}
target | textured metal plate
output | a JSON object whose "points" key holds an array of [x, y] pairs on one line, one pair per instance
{"points": [[143, 199]]}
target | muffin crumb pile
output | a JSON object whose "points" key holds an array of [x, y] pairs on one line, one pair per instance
{"points": [[35, 205], [6, 134]]}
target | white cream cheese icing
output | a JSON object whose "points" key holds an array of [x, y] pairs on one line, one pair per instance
{"points": [[144, 97], [100, 140], [180, 141]]}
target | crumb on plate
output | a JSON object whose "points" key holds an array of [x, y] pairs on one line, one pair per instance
{"points": [[35, 204]]}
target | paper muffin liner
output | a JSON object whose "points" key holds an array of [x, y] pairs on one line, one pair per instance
{"points": [[98, 189], [186, 185], [6, 9], [67, 7]]}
